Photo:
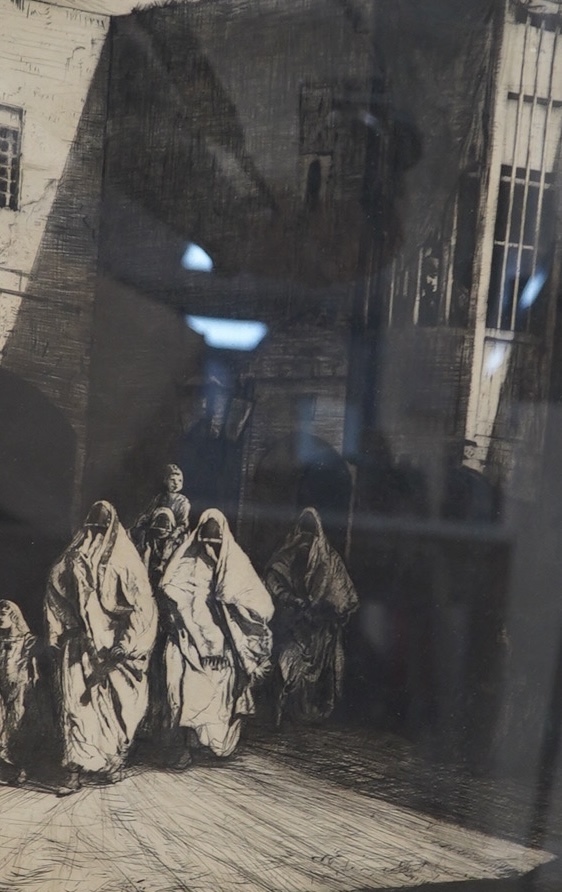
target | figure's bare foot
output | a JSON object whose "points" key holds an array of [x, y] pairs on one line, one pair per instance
{"points": [[12, 774], [71, 785]]}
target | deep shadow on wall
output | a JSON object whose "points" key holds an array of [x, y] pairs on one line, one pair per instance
{"points": [[181, 166], [44, 381]]}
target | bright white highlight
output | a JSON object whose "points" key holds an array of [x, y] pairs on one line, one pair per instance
{"points": [[532, 289], [496, 357], [196, 258], [228, 334]]}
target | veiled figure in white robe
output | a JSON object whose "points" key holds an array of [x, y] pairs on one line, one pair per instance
{"points": [[18, 679], [101, 620], [219, 641]]}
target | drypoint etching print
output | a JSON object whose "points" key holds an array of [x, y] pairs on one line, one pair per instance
{"points": [[280, 445]]}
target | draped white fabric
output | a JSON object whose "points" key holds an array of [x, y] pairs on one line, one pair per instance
{"points": [[99, 598], [220, 640]]}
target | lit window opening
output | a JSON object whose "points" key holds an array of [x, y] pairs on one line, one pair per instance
{"points": [[10, 151]]}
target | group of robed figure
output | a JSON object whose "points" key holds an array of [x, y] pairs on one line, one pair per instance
{"points": [[164, 632]]}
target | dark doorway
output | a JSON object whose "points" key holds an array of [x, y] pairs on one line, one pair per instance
{"points": [[211, 450], [37, 461]]}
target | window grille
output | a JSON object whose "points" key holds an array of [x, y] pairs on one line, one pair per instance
{"points": [[428, 285], [546, 14], [521, 245], [415, 292], [10, 149], [525, 208], [434, 289]]}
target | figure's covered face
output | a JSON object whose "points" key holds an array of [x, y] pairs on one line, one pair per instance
{"points": [[99, 518], [305, 542], [210, 536], [174, 480], [307, 524], [307, 530], [6, 615], [161, 525]]}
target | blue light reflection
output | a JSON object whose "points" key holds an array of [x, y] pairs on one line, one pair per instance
{"points": [[195, 258], [532, 289], [228, 334]]}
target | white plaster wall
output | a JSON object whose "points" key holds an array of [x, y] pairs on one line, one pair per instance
{"points": [[48, 56], [532, 62], [110, 7]]}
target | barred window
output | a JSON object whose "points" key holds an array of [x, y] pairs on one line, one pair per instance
{"points": [[524, 224], [10, 150], [546, 15], [434, 288], [523, 236]]}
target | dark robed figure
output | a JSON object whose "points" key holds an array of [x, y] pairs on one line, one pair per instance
{"points": [[314, 598]]}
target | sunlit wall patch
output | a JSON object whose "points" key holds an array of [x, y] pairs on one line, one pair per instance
{"points": [[195, 258], [496, 356], [228, 334]]}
